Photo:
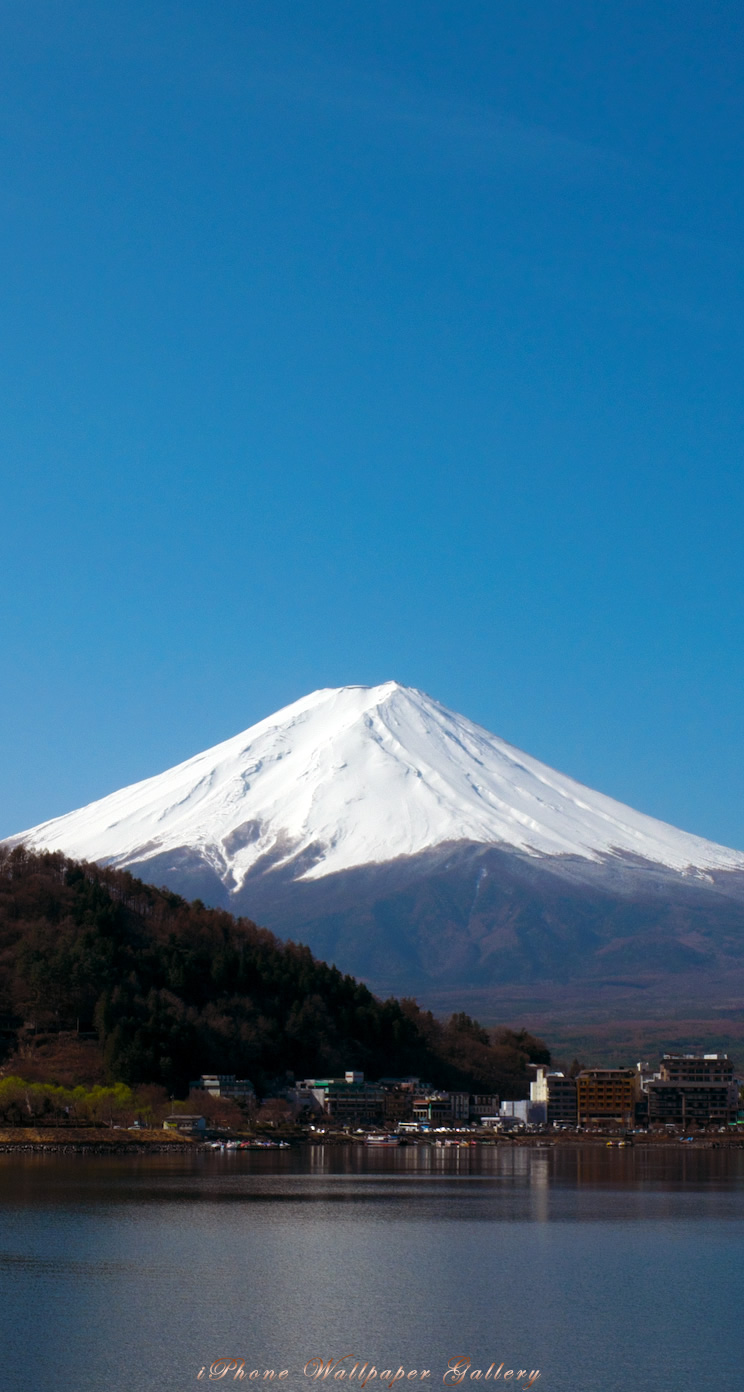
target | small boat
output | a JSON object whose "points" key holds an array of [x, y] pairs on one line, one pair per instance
{"points": [[381, 1140]]}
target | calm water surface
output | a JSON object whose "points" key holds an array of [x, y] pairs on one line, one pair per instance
{"points": [[605, 1270]]}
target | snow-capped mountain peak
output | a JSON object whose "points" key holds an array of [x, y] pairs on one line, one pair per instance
{"points": [[357, 776]]}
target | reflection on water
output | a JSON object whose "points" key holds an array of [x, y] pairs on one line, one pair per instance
{"points": [[263, 1174], [598, 1266]]}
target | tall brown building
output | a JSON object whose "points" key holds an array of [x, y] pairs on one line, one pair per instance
{"points": [[607, 1096]]}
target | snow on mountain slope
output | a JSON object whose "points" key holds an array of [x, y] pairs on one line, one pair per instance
{"points": [[358, 776]]}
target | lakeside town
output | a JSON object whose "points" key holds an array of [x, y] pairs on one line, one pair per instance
{"points": [[688, 1095], [151, 1021]]}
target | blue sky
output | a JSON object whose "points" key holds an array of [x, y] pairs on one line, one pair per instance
{"points": [[351, 342]]}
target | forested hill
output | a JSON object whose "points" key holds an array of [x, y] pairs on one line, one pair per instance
{"points": [[174, 989]]}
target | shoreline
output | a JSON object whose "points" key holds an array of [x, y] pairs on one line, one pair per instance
{"points": [[102, 1141]]}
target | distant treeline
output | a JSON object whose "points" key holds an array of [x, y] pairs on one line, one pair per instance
{"points": [[174, 989]]}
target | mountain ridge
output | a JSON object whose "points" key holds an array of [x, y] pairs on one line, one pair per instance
{"points": [[359, 775], [423, 854]]}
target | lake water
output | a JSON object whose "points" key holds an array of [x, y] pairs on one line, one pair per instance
{"points": [[604, 1270]]}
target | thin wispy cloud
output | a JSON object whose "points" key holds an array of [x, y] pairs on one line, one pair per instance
{"points": [[472, 133]]}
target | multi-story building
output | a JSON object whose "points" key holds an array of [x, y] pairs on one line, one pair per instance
{"points": [[515, 1111], [694, 1068], [693, 1090], [607, 1096], [521, 1111], [460, 1106], [397, 1100], [348, 1100], [484, 1106], [441, 1108], [432, 1109], [226, 1085], [555, 1095]]}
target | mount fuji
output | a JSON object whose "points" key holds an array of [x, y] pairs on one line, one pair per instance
{"points": [[422, 853]]}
